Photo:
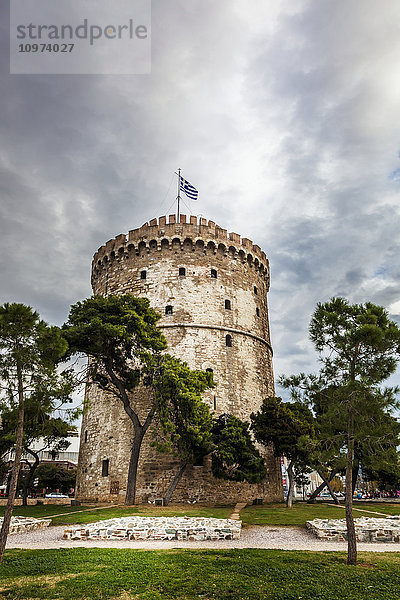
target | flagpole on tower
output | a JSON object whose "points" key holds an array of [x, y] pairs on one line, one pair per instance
{"points": [[179, 192], [186, 187]]}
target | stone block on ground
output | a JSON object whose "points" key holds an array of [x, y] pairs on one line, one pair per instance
{"points": [[368, 529], [157, 528], [24, 524]]}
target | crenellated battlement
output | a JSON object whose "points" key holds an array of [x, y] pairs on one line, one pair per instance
{"points": [[195, 234]]}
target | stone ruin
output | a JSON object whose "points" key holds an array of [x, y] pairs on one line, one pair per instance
{"points": [[386, 529], [24, 524], [157, 528]]}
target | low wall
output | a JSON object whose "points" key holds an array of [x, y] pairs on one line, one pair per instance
{"points": [[34, 501], [367, 529], [157, 528], [24, 524]]}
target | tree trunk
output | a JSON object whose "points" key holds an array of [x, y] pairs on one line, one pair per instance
{"points": [[174, 483], [15, 468], [133, 466], [139, 433], [289, 499], [351, 532], [29, 479], [319, 489], [332, 493], [8, 483], [25, 491], [356, 465]]}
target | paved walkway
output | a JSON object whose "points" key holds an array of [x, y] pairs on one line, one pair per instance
{"points": [[282, 538], [236, 511]]}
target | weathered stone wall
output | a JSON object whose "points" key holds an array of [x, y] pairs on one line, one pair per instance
{"points": [[221, 292]]}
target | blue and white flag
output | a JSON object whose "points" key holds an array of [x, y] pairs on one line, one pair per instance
{"points": [[189, 190]]}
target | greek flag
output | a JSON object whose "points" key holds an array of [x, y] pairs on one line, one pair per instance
{"points": [[189, 190]]}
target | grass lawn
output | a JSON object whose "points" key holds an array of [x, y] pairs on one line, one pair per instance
{"points": [[278, 514], [267, 514], [98, 574], [70, 514]]}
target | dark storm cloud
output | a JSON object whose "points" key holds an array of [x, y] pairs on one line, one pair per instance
{"points": [[284, 117]]}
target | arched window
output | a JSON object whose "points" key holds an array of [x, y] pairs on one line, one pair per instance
{"points": [[182, 271], [228, 341], [213, 274], [143, 274], [227, 305], [168, 310]]}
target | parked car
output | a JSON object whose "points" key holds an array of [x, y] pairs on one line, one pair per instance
{"points": [[56, 495]]}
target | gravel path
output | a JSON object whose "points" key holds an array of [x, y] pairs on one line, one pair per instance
{"points": [[283, 538]]}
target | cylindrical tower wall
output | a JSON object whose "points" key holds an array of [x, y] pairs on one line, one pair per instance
{"points": [[211, 290]]}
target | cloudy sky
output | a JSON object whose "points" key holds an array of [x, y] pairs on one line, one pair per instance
{"points": [[285, 114]]}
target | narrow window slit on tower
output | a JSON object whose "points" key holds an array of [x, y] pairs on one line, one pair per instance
{"points": [[215, 402], [257, 311], [213, 274], [255, 290], [227, 305], [228, 341], [168, 310], [86, 434], [143, 274], [182, 271], [104, 467]]}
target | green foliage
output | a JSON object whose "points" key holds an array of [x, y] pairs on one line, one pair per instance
{"points": [[289, 426], [29, 344], [30, 347], [185, 419], [120, 336], [55, 477], [40, 424], [235, 456], [29, 341], [34, 348], [30, 352], [356, 342], [358, 347], [114, 330]]}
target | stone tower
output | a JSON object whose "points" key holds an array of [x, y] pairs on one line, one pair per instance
{"points": [[211, 289]]}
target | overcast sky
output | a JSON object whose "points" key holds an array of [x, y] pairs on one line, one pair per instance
{"points": [[284, 114]]}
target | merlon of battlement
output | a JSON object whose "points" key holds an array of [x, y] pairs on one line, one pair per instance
{"points": [[194, 228]]}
